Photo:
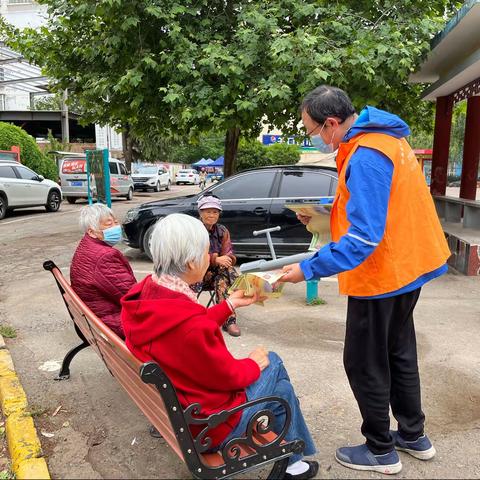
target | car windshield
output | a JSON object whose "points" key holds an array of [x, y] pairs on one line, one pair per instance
{"points": [[145, 170]]}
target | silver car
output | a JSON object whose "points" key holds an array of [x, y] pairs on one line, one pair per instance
{"points": [[21, 187], [73, 179]]}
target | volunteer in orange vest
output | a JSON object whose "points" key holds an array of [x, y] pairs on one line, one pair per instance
{"points": [[387, 243]]}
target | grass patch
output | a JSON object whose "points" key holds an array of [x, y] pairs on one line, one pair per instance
{"points": [[7, 475], [7, 331], [37, 411], [317, 301]]}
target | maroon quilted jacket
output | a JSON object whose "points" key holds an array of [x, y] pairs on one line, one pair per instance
{"points": [[101, 275]]}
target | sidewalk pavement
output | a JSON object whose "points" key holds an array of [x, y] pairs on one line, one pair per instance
{"points": [[99, 433]]}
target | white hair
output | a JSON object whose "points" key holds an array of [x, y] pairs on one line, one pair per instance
{"points": [[176, 240], [92, 215]]}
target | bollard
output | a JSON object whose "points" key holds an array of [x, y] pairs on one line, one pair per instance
{"points": [[312, 290]]}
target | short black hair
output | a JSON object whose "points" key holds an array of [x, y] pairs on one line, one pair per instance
{"points": [[327, 101]]}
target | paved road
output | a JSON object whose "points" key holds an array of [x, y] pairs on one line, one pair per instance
{"points": [[99, 433]]}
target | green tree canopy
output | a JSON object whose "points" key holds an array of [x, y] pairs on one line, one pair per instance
{"points": [[173, 67], [30, 154]]}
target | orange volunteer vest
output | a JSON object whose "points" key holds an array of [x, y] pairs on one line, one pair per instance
{"points": [[413, 243]]}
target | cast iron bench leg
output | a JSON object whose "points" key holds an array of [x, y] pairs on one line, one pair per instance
{"points": [[279, 469], [65, 370]]}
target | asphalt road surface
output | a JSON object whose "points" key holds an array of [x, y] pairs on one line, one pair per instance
{"points": [[99, 432]]}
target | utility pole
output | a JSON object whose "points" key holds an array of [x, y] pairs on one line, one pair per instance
{"points": [[64, 114]]}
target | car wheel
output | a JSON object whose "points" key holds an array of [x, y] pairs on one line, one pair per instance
{"points": [[129, 195], [168, 186], [146, 241], [71, 200], [53, 201], [3, 206], [157, 187]]}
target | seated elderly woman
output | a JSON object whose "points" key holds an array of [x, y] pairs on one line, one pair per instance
{"points": [[221, 272], [100, 274], [164, 322]]}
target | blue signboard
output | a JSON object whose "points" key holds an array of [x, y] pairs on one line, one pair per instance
{"points": [[271, 139]]}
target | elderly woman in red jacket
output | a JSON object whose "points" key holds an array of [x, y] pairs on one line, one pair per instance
{"points": [[100, 274], [164, 322]]}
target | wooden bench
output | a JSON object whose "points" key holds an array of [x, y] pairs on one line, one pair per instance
{"points": [[452, 209], [151, 390]]}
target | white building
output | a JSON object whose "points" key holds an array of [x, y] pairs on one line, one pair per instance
{"points": [[18, 96], [21, 14]]}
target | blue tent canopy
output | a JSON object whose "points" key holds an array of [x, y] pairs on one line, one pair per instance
{"points": [[217, 163], [202, 163]]}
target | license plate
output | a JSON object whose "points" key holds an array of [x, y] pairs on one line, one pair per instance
{"points": [[76, 184]]}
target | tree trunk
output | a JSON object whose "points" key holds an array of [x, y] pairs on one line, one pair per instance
{"points": [[231, 146], [127, 148]]}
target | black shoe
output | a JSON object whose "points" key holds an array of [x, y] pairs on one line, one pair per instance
{"points": [[154, 432], [310, 473]]}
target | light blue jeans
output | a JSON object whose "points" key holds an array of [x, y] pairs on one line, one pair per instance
{"points": [[274, 380]]}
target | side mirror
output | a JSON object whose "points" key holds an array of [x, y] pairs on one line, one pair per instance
{"points": [[40, 178]]}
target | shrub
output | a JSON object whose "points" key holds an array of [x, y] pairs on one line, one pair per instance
{"points": [[283, 154], [30, 154], [252, 153]]}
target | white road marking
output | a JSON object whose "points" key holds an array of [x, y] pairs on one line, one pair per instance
{"points": [[31, 217]]}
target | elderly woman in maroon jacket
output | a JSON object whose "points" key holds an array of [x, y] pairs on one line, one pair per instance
{"points": [[221, 272], [164, 322], [100, 274]]}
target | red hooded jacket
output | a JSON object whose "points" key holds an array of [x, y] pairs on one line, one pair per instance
{"points": [[100, 276], [184, 338]]}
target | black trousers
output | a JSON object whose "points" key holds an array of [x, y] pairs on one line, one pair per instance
{"points": [[380, 359]]}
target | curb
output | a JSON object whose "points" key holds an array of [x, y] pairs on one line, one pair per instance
{"points": [[23, 443]]}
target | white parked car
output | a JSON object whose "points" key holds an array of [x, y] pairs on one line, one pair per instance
{"points": [[153, 177], [73, 179], [21, 187], [187, 176]]}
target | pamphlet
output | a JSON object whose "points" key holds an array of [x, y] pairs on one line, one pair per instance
{"points": [[319, 225]]}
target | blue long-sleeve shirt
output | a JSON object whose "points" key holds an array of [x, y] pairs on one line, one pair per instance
{"points": [[368, 179]]}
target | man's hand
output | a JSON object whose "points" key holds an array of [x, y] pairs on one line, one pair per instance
{"points": [[238, 299], [305, 219], [260, 356], [293, 274], [224, 261]]}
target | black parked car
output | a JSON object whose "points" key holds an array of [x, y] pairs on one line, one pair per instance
{"points": [[251, 200]]}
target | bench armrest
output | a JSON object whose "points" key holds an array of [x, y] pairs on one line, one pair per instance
{"points": [[259, 424]]}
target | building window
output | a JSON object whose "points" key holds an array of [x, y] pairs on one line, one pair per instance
{"points": [[11, 2]]}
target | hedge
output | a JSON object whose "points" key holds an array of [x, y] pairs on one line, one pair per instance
{"points": [[253, 154], [30, 154]]}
